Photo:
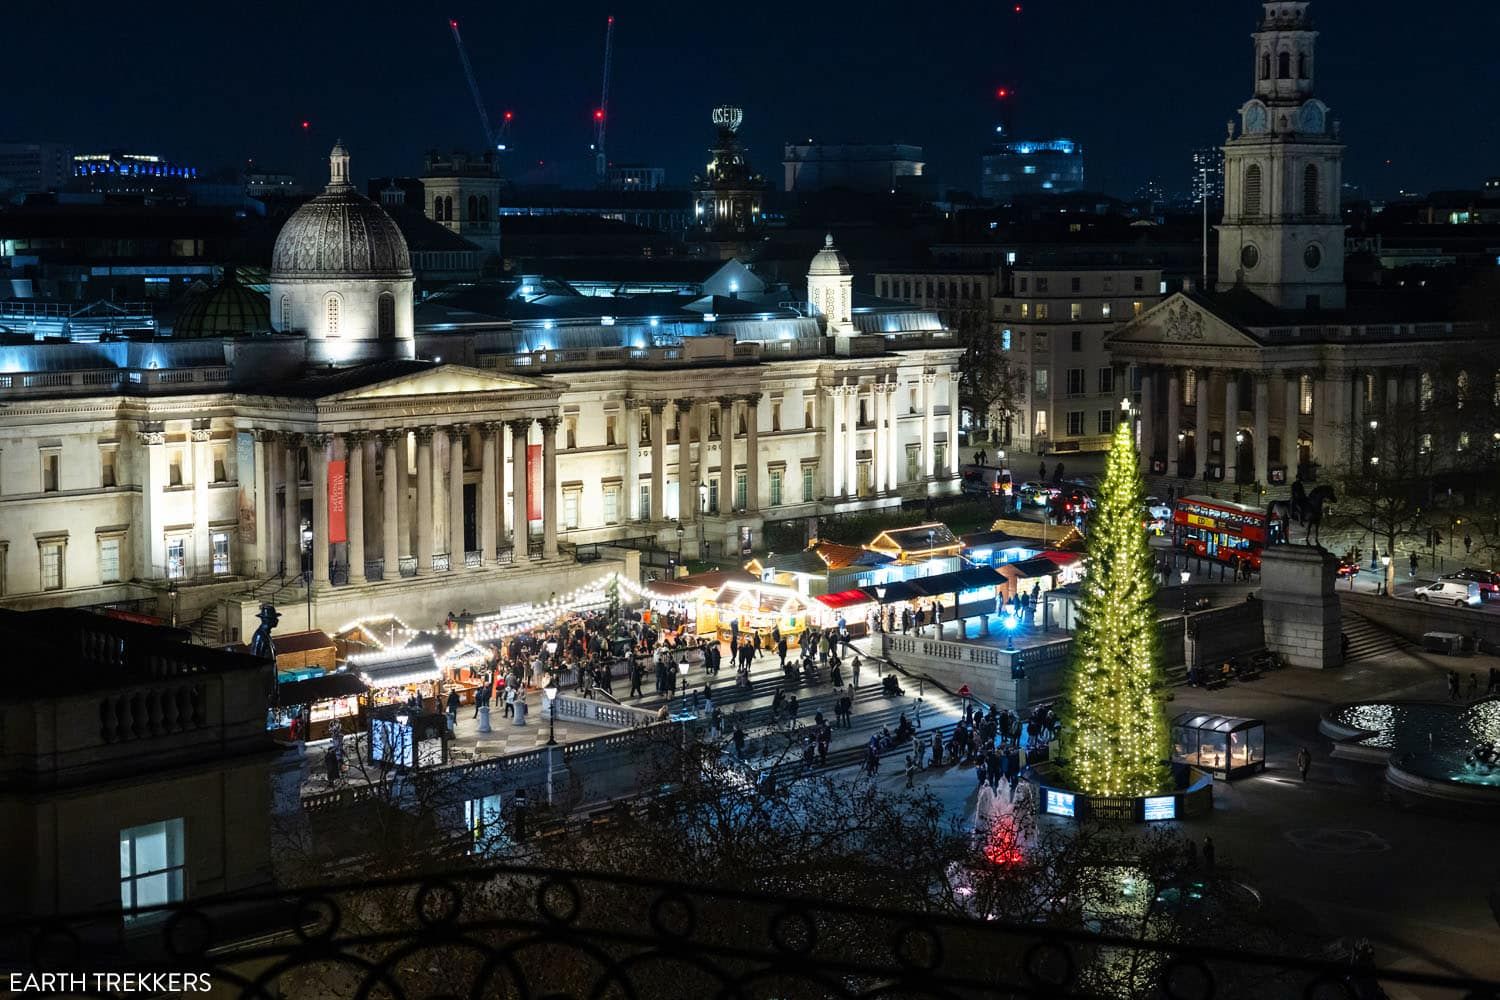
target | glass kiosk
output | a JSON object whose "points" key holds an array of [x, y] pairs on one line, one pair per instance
{"points": [[1224, 746]]}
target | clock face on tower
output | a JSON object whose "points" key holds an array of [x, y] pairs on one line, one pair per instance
{"points": [[1249, 256], [1312, 256], [1255, 118], [1311, 118]]}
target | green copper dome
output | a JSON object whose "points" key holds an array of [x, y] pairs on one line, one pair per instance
{"points": [[229, 309]]}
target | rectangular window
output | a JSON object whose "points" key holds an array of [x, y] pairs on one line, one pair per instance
{"points": [[609, 429], [807, 416], [1077, 340], [107, 459], [645, 501], [1106, 421], [51, 468], [1042, 311], [570, 430], [1106, 309], [1139, 283], [151, 867], [776, 488], [1106, 380], [1041, 381], [713, 495], [1076, 385], [1075, 311], [913, 462], [174, 468], [1025, 310], [221, 464], [775, 415], [109, 560], [220, 543], [176, 557], [809, 476], [1022, 286], [1136, 308], [1077, 284], [741, 485], [52, 565], [1305, 395], [1109, 283], [1190, 387], [570, 509], [1463, 440], [1041, 423], [1425, 444], [1075, 423], [611, 505], [1041, 284], [1041, 340], [939, 455]]}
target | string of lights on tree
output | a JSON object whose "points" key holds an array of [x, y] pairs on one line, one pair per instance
{"points": [[1115, 725]]}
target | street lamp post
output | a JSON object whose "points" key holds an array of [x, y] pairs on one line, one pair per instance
{"points": [[703, 516], [1185, 577], [682, 671], [1385, 561], [680, 533], [1010, 631], [551, 692]]}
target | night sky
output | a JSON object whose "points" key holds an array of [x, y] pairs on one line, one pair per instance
{"points": [[1139, 84]]}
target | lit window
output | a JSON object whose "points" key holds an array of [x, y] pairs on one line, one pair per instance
{"points": [[1136, 308], [151, 867], [1463, 440], [1305, 396], [1025, 310], [1425, 444], [220, 543], [1426, 392], [176, 558], [1190, 387], [1041, 310], [1106, 309], [333, 316], [482, 819]]}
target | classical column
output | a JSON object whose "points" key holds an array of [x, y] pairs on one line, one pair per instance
{"points": [[700, 499], [403, 493], [851, 441], [1201, 433], [520, 431], [152, 439], [424, 501], [1231, 426], [354, 504], [262, 552], [202, 473], [393, 487], [1328, 411], [752, 453], [1262, 429], [456, 437], [489, 511], [550, 500], [1357, 424], [928, 380], [370, 465], [1148, 418], [894, 452], [833, 442], [727, 427], [1392, 391], [632, 428], [953, 413], [878, 461], [1291, 422], [1174, 421], [686, 502], [658, 460], [292, 504], [317, 460]]}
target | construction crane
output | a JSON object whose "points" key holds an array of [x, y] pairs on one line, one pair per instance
{"points": [[601, 113], [490, 139]]}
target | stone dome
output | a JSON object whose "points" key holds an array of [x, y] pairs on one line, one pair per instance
{"points": [[829, 262], [340, 234], [229, 309]]}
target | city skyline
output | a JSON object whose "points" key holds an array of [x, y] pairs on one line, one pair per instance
{"points": [[672, 66]]}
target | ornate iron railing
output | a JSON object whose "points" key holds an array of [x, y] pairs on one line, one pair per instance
{"points": [[441, 563], [374, 569], [407, 566], [473, 559], [518, 931]]}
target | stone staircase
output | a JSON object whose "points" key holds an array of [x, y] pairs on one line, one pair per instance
{"points": [[1369, 639]]}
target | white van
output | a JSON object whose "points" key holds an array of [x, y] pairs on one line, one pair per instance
{"points": [[1459, 592]]}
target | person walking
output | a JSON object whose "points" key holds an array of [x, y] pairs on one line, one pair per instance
{"points": [[1304, 762], [453, 709], [739, 741], [1453, 694], [1208, 855], [1473, 685], [635, 678]]}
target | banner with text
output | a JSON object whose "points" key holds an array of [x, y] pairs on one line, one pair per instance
{"points": [[533, 482], [336, 532]]}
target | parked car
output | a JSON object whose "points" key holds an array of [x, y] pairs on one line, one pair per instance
{"points": [[1038, 494], [1457, 592], [1158, 508], [1070, 503], [1347, 568], [1489, 583], [985, 479]]}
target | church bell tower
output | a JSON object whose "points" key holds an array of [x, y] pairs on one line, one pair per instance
{"points": [[1282, 237]]}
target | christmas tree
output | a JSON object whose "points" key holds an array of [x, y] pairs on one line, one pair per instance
{"points": [[1115, 725]]}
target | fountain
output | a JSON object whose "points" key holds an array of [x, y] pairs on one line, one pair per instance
{"points": [[1435, 750]]}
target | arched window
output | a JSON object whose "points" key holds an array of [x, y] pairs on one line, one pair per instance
{"points": [[1311, 202], [1252, 189], [484, 208], [385, 316], [437, 208], [473, 209], [1302, 73], [331, 311], [1284, 66], [286, 313], [1265, 65]]}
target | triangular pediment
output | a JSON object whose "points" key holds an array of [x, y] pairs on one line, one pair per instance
{"points": [[444, 380], [1182, 320]]}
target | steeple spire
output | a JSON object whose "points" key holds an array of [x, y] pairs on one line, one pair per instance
{"points": [[338, 167]]}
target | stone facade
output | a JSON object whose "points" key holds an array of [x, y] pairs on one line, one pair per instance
{"points": [[1301, 614]]}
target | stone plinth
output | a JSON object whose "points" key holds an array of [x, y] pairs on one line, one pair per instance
{"points": [[1301, 618]]}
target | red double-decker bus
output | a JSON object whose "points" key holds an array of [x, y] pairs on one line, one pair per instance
{"points": [[1222, 530]]}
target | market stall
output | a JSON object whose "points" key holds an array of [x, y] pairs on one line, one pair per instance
{"points": [[754, 607], [314, 703], [917, 543], [821, 568], [370, 635], [993, 548], [397, 675], [855, 607]]}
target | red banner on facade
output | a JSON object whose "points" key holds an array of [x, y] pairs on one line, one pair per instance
{"points": [[336, 532], [533, 482]]}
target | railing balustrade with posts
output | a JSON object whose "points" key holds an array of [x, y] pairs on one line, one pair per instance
{"points": [[374, 569], [408, 566], [473, 559], [505, 556], [517, 930], [440, 563]]}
